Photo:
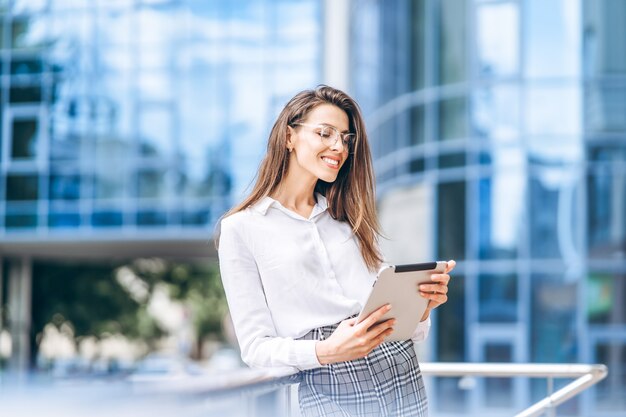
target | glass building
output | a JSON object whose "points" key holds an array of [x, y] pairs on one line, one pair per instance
{"points": [[129, 126], [503, 124]]}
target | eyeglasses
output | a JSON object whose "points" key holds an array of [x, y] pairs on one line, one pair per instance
{"points": [[329, 135]]}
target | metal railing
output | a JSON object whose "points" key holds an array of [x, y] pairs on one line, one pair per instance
{"points": [[254, 392], [274, 387], [586, 376]]}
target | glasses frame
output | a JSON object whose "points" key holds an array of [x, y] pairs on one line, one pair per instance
{"points": [[332, 141]]}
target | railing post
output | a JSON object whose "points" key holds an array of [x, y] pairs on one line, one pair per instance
{"points": [[551, 412]]}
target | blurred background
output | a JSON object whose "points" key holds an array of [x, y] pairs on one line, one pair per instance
{"points": [[128, 127]]}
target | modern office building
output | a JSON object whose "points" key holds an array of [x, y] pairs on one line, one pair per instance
{"points": [[129, 126], [503, 123]]}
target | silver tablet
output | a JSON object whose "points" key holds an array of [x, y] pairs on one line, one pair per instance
{"points": [[397, 285]]}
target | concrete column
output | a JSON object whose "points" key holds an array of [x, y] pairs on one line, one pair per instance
{"points": [[336, 50], [20, 299]]}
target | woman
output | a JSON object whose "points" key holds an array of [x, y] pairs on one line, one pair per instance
{"points": [[299, 256]]}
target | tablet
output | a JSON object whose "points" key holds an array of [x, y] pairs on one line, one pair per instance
{"points": [[398, 285]]}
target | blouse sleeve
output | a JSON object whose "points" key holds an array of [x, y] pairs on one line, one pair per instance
{"points": [[260, 346], [421, 331]]}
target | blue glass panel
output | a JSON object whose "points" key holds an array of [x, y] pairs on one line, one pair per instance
{"points": [[199, 217], [495, 113], [498, 298], [498, 391], [108, 218], [452, 48], [610, 391], [553, 38], [498, 39], [451, 324], [501, 207], [22, 187], [151, 218], [20, 221], [62, 220], [553, 328], [554, 224], [24, 139], [451, 220], [64, 187], [606, 212], [453, 118]]}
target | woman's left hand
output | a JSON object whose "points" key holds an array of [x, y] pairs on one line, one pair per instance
{"points": [[436, 292]]}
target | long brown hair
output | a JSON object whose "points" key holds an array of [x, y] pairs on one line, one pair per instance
{"points": [[351, 197]]}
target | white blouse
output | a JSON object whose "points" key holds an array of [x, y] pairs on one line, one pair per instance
{"points": [[285, 275]]}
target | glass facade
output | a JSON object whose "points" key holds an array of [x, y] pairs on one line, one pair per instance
{"points": [[135, 115], [512, 112]]}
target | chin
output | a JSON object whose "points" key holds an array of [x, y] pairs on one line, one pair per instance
{"points": [[328, 178]]}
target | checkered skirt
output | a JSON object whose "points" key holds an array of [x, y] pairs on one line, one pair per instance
{"points": [[387, 382]]}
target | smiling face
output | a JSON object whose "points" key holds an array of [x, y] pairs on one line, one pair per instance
{"points": [[310, 156]]}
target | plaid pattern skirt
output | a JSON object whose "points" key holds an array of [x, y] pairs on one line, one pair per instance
{"points": [[387, 382]]}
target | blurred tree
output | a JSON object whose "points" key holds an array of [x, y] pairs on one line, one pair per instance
{"points": [[94, 299]]}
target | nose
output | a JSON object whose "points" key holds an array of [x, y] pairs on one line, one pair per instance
{"points": [[338, 145]]}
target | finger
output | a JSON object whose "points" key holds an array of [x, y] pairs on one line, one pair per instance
{"points": [[380, 339], [442, 278], [375, 316], [435, 298], [434, 288], [450, 265], [376, 330]]}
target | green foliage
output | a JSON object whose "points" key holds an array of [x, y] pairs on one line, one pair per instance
{"points": [[95, 302]]}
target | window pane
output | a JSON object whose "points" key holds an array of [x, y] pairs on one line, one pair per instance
{"points": [[605, 37], [501, 207], [553, 46], [20, 221], [26, 65], [151, 184], [495, 113], [605, 298], [610, 391], [498, 40], [106, 218], [417, 133], [24, 143], [151, 218], [451, 221], [155, 129], [63, 220], [606, 225], [22, 187], [498, 391], [25, 94], [28, 33], [553, 329], [452, 118], [452, 41], [605, 108], [451, 324], [64, 187], [554, 216], [498, 298], [452, 160], [418, 44], [196, 217]]}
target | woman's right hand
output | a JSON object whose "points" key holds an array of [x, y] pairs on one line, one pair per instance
{"points": [[352, 340]]}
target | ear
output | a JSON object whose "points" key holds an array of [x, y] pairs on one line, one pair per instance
{"points": [[289, 139]]}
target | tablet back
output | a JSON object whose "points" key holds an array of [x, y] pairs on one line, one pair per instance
{"points": [[398, 285]]}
